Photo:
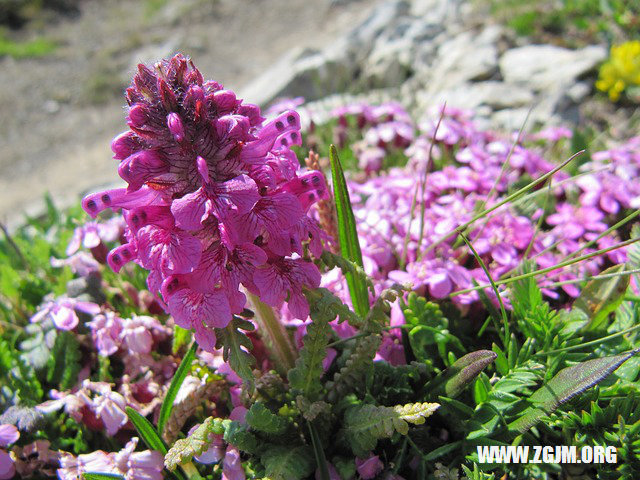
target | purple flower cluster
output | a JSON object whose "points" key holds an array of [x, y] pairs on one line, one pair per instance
{"points": [[214, 199], [466, 171]]}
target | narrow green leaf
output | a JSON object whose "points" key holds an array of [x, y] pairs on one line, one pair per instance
{"points": [[102, 476], [567, 383], [458, 376], [174, 388], [443, 450], [348, 235], [146, 431], [601, 297], [318, 451]]}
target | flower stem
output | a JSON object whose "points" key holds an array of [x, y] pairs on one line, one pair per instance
{"points": [[274, 334], [190, 471]]}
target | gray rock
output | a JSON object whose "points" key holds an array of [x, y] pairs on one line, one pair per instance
{"points": [[394, 55], [548, 66], [314, 74]]}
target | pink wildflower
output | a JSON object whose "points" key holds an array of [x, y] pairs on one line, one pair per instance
{"points": [[213, 197]]}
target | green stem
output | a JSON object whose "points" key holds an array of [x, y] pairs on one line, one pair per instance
{"points": [[274, 334], [510, 198], [593, 342], [190, 471], [548, 269]]}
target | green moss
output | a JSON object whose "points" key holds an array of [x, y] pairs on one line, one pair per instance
{"points": [[38, 47]]}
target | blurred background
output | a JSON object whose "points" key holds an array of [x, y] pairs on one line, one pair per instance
{"points": [[65, 63]]}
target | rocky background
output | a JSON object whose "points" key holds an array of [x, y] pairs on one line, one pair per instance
{"points": [[60, 111]]}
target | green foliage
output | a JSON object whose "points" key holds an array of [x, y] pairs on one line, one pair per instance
{"points": [[102, 476], [38, 47], [64, 363], [365, 424], [356, 369], [566, 384], [260, 418], [429, 333], [185, 449], [461, 373], [146, 431], [19, 382], [572, 22], [348, 235], [305, 376], [236, 347], [602, 296], [285, 463], [174, 387]]}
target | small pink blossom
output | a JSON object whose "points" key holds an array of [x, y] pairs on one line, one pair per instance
{"points": [[63, 312]]}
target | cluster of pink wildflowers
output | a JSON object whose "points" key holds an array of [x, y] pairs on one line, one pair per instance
{"points": [[466, 170], [132, 465], [215, 199]]}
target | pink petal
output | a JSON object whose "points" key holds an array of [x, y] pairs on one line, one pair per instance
{"points": [[65, 318], [7, 467], [8, 434], [190, 210]]}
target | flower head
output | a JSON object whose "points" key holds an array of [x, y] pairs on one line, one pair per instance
{"points": [[214, 198]]}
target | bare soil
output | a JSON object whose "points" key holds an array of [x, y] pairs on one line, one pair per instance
{"points": [[58, 113]]}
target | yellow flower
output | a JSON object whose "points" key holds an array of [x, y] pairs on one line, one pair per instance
{"points": [[622, 70]]}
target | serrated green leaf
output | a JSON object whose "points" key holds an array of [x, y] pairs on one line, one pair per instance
{"points": [[232, 341], [602, 296], [185, 449], [176, 383], [285, 463], [365, 424], [566, 384], [239, 436], [348, 234], [146, 431], [305, 376], [64, 363], [262, 419]]}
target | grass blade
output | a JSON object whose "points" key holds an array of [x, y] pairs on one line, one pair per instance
{"points": [[146, 431], [102, 476], [176, 383], [347, 234], [566, 384]]}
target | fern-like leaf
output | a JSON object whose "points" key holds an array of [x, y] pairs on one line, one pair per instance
{"points": [[285, 463], [305, 376], [357, 368], [366, 424], [260, 418], [333, 260], [185, 449], [64, 363], [326, 305], [239, 436]]}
